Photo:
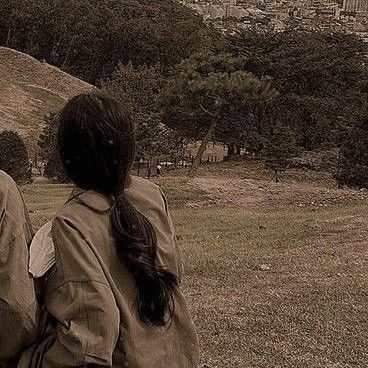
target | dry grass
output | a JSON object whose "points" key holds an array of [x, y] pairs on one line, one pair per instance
{"points": [[271, 283], [29, 89]]}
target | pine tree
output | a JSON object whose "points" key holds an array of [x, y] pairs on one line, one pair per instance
{"points": [[279, 149], [210, 97], [14, 158]]}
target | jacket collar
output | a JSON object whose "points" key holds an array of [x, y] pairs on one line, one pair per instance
{"points": [[92, 199]]}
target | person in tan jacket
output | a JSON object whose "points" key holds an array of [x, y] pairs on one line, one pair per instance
{"points": [[113, 296], [18, 305]]}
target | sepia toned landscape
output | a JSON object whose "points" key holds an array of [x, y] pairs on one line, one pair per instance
{"points": [[276, 274], [252, 116]]}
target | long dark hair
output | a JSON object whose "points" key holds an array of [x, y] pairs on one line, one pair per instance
{"points": [[97, 146]]}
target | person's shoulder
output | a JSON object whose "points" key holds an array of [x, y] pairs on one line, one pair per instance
{"points": [[4, 176], [6, 181], [67, 220], [143, 186], [8, 189], [82, 209], [67, 214], [142, 191]]}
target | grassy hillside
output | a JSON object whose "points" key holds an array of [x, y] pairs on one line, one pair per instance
{"points": [[28, 90], [276, 274]]}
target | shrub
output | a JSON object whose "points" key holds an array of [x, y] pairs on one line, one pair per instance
{"points": [[14, 157]]}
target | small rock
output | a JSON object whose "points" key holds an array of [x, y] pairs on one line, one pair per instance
{"points": [[264, 267]]}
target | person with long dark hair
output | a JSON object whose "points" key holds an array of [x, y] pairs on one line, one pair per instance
{"points": [[113, 295]]}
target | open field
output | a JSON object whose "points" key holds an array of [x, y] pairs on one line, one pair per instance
{"points": [[276, 275]]}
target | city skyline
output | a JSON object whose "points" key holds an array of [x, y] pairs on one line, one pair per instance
{"points": [[348, 16]]}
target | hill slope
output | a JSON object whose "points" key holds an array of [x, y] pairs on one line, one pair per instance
{"points": [[29, 89]]}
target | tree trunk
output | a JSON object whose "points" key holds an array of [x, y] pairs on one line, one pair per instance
{"points": [[149, 169], [202, 148], [231, 150], [7, 43], [276, 176], [66, 58], [54, 50]]}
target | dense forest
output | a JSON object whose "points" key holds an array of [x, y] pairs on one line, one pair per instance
{"points": [[272, 94], [88, 38]]}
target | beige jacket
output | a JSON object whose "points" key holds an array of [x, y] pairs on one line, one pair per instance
{"points": [[92, 296], [18, 306]]}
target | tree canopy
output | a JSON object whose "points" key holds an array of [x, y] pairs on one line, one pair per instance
{"points": [[139, 88], [320, 77], [88, 38], [211, 96]]}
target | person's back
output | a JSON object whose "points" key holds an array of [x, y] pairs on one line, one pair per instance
{"points": [[18, 306], [138, 344], [113, 294]]}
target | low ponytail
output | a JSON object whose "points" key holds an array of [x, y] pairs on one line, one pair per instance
{"points": [[96, 143], [137, 244]]}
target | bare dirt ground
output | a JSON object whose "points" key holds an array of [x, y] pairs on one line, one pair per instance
{"points": [[252, 192], [253, 186]]}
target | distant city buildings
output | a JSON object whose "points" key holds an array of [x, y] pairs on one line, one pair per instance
{"points": [[349, 16], [355, 6]]}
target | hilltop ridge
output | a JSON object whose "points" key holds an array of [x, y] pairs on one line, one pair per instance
{"points": [[29, 89]]}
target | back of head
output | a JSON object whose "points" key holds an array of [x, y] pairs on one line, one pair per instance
{"points": [[96, 142], [97, 146]]}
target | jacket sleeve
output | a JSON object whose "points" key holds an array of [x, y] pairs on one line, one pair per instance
{"points": [[179, 260], [82, 303], [18, 305]]}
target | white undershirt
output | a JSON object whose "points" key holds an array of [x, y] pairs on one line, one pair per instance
{"points": [[42, 252]]}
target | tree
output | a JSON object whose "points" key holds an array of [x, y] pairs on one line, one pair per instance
{"points": [[279, 149], [319, 76], [14, 157], [139, 89], [88, 38], [210, 96], [352, 168]]}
